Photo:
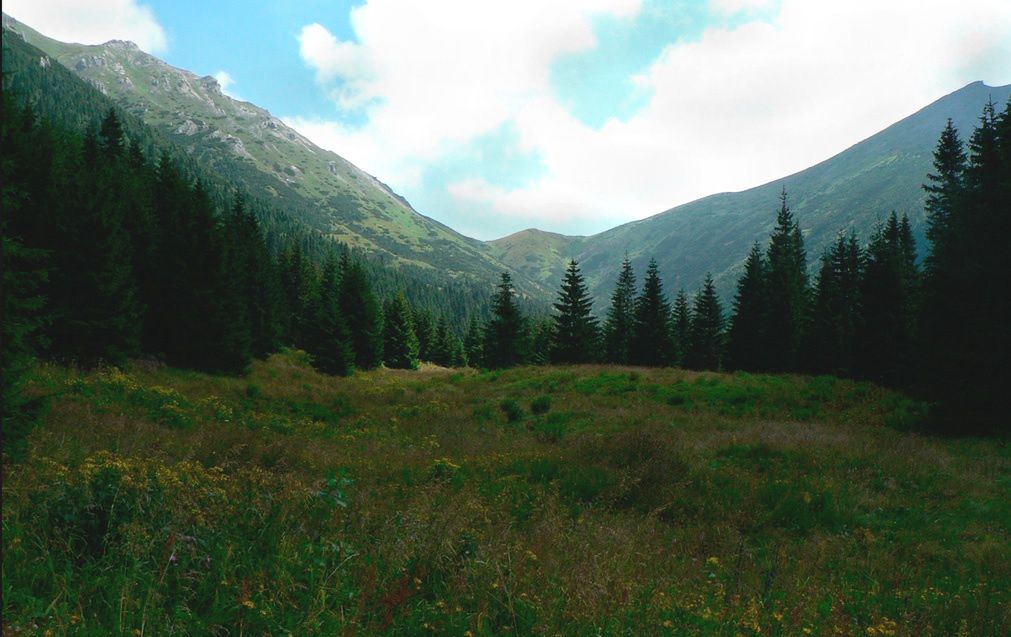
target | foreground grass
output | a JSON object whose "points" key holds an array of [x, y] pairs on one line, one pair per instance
{"points": [[590, 500]]}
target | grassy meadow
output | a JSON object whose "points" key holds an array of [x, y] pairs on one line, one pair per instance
{"points": [[551, 500]]}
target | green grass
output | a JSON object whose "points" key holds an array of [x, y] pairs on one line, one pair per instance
{"points": [[578, 500]]}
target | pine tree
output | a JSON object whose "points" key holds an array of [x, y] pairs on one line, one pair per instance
{"points": [[651, 341], [360, 308], [258, 280], [325, 333], [620, 316], [424, 327], [787, 291], [747, 347], [706, 348], [887, 303], [112, 140], [944, 187], [400, 344], [681, 324], [473, 343], [505, 333], [542, 339], [831, 339], [575, 333]]}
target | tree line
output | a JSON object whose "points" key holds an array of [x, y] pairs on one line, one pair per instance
{"points": [[871, 312]]}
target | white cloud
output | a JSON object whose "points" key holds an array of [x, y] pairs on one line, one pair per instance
{"points": [[226, 81], [733, 7], [92, 21], [738, 107]]}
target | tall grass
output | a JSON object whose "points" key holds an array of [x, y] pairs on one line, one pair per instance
{"points": [[157, 501]]}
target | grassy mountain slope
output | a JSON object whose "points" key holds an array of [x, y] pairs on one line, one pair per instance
{"points": [[853, 190], [264, 157]]}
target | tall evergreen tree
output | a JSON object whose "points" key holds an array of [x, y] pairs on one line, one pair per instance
{"points": [[681, 328], [360, 308], [966, 311], [944, 187], [620, 316], [831, 339], [400, 344], [575, 333], [473, 343], [542, 338], [326, 335], [505, 333], [424, 328], [707, 329], [747, 345], [888, 305], [651, 337], [258, 280], [787, 291]]}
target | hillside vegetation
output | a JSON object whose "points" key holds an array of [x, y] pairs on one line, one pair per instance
{"points": [[548, 500]]}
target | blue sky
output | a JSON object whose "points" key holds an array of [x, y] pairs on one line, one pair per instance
{"points": [[568, 116]]}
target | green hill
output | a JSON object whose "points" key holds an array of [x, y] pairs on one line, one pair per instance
{"points": [[853, 190]]}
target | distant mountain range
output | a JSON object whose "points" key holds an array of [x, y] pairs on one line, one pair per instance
{"points": [[256, 151], [853, 190]]}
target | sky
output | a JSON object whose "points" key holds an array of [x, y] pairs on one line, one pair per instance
{"points": [[572, 117]]}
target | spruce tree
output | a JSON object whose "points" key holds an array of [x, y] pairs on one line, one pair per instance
{"points": [[831, 339], [360, 308], [473, 343], [575, 333], [944, 188], [681, 323], [747, 346], [888, 301], [424, 327], [400, 344], [620, 316], [542, 339], [325, 333], [505, 333], [651, 338], [706, 348], [787, 291]]}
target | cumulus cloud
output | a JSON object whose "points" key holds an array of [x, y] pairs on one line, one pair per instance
{"points": [[92, 21], [731, 109], [226, 81]]}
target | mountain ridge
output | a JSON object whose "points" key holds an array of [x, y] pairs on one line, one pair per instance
{"points": [[851, 190], [262, 155]]}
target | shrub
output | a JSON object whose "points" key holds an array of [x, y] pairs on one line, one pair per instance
{"points": [[541, 405], [512, 410]]}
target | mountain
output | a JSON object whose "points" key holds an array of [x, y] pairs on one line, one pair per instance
{"points": [[261, 155], [853, 190]]}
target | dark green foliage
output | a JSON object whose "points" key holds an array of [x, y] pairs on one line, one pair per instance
{"points": [[747, 346], [326, 335], [681, 327], [787, 291], [707, 327], [540, 405], [424, 327], [512, 410], [888, 304], [542, 338], [447, 348], [400, 344], [575, 333], [21, 307], [651, 337], [831, 339], [363, 314], [505, 334], [966, 310], [620, 316], [473, 343]]}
